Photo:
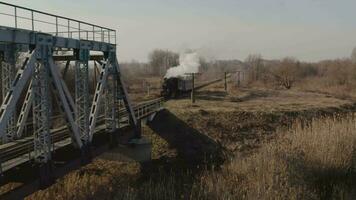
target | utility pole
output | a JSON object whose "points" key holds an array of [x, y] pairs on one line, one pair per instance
{"points": [[148, 89], [192, 94], [238, 78], [193, 89], [225, 81]]}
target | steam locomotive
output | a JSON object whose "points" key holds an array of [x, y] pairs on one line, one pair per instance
{"points": [[175, 87]]}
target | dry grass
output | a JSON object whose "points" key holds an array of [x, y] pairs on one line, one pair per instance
{"points": [[99, 180], [312, 162], [260, 100], [307, 161]]}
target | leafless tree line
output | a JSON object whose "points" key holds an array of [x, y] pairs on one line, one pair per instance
{"points": [[289, 71]]}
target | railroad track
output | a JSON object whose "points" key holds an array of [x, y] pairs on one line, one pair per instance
{"points": [[209, 83], [21, 151]]}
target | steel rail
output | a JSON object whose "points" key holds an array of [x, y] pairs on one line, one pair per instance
{"points": [[22, 147], [14, 153]]}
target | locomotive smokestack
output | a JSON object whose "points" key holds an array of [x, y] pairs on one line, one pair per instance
{"points": [[188, 63]]}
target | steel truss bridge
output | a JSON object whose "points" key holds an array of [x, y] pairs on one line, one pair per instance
{"points": [[33, 46]]}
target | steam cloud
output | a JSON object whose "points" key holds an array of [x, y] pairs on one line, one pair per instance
{"points": [[188, 63]]}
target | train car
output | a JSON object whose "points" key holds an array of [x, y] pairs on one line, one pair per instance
{"points": [[175, 87]]}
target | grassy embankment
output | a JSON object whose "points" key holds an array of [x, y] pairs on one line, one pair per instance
{"points": [[293, 148]]}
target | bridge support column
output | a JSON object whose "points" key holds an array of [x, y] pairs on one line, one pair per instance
{"points": [[1, 60], [140, 147], [41, 115], [82, 108], [138, 129], [113, 139], [112, 109], [8, 71]]}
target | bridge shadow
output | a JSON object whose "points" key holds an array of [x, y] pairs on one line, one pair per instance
{"points": [[192, 146]]}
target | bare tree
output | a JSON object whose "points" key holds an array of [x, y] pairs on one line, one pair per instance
{"points": [[285, 73], [254, 64], [353, 55], [161, 60]]}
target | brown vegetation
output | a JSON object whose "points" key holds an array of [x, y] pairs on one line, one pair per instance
{"points": [[312, 159], [307, 161], [316, 161], [99, 180], [336, 77], [283, 144]]}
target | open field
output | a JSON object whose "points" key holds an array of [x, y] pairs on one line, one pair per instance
{"points": [[247, 143], [198, 100]]}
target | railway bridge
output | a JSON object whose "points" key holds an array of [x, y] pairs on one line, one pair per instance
{"points": [[41, 113]]}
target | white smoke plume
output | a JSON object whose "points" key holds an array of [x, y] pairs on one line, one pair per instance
{"points": [[188, 63]]}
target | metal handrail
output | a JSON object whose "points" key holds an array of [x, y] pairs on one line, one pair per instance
{"points": [[106, 35]]}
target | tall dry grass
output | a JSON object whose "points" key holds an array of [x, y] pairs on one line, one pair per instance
{"points": [[99, 180], [314, 161]]}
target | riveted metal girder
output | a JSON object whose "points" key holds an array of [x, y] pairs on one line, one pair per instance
{"points": [[41, 115], [22, 77], [82, 104], [111, 104], [8, 71], [20, 36], [100, 87], [66, 102], [123, 92], [25, 110]]}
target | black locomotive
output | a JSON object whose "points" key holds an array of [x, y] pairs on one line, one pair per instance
{"points": [[175, 87]]}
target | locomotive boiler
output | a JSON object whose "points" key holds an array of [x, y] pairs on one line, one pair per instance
{"points": [[174, 87]]}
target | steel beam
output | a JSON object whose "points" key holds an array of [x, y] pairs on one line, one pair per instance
{"points": [[25, 110], [82, 94], [72, 58], [20, 36], [124, 94], [22, 77], [111, 104], [41, 107], [41, 115], [66, 102], [66, 68], [8, 71], [100, 86], [67, 94]]}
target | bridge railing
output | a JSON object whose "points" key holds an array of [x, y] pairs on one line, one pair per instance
{"points": [[146, 108], [17, 152], [25, 18]]}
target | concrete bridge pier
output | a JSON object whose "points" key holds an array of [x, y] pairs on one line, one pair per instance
{"points": [[113, 139], [46, 177], [140, 149], [86, 154], [137, 148], [141, 146]]}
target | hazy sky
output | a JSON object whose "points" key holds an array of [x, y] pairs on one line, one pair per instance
{"points": [[306, 29]]}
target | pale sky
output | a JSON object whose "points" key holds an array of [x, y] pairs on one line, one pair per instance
{"points": [[309, 30]]}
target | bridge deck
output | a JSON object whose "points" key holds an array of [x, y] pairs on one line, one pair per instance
{"points": [[20, 151], [27, 37]]}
